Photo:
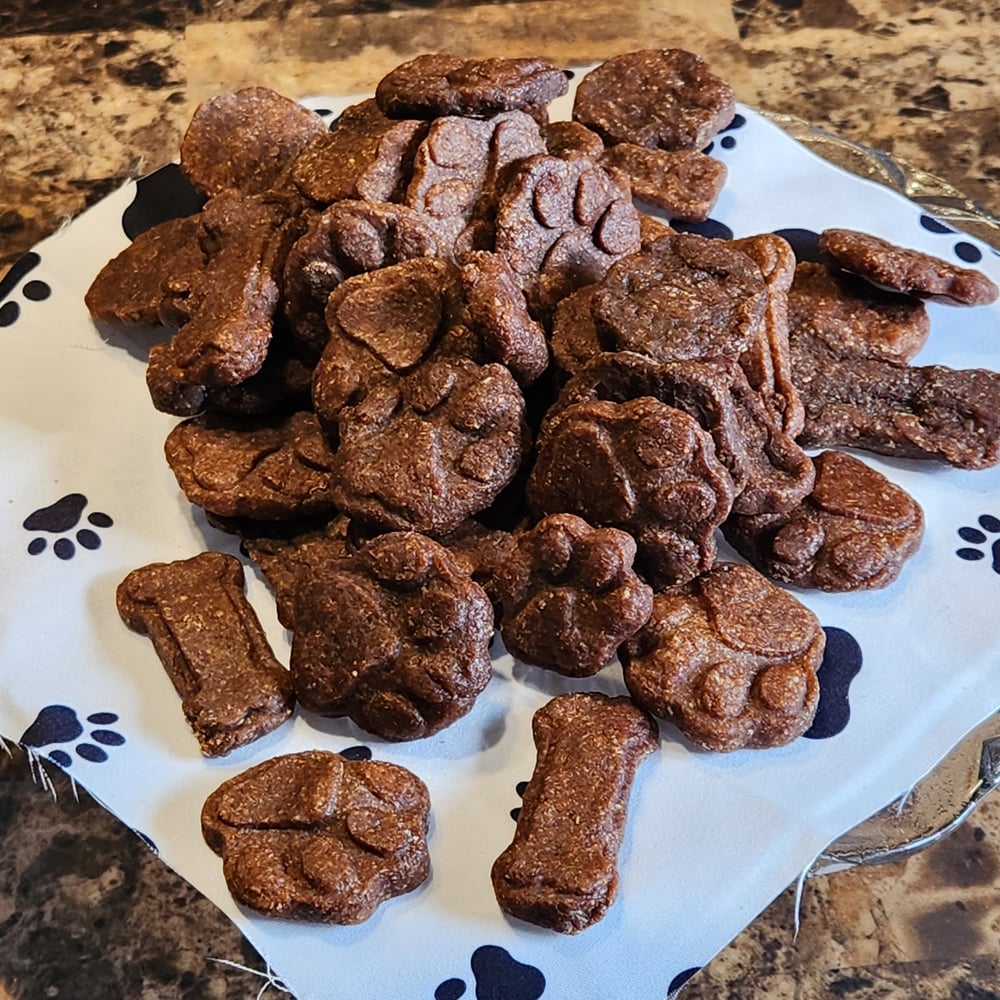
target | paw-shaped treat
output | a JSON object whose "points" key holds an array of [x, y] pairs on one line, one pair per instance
{"points": [[682, 298], [660, 98], [267, 468], [641, 466], [853, 532], [902, 270], [840, 316], [685, 183], [569, 596], [365, 155], [561, 223], [457, 168], [313, 836], [768, 469], [425, 452], [437, 84], [211, 645], [569, 139], [350, 237], [730, 659], [396, 637], [246, 140], [561, 869]]}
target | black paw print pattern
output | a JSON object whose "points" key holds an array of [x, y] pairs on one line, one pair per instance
{"points": [[988, 525], [965, 251], [360, 752], [61, 517], [162, 195], [710, 228], [59, 724], [498, 976], [674, 989], [33, 290], [842, 661], [519, 788], [727, 141], [804, 243]]}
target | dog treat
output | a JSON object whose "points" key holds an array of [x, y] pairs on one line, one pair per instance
{"points": [[767, 361], [929, 412], [350, 237], [569, 139], [853, 532], [685, 183], [561, 224], [643, 467], [660, 98], [575, 339], [903, 270], [730, 659], [276, 467], [844, 317], [440, 84], [684, 297], [457, 169], [769, 471], [132, 287], [313, 836], [425, 452], [212, 646], [245, 140], [561, 869], [396, 637], [365, 155], [481, 552], [569, 595]]}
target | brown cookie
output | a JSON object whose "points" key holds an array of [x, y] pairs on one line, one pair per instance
{"points": [[425, 452], [845, 317], [350, 237], [440, 84], [212, 646], [481, 552], [365, 155], [682, 298], [569, 595], [312, 836], [853, 532], [767, 361], [396, 637], [561, 869], [561, 224], [730, 659], [769, 471], [267, 468], [132, 287], [660, 98], [575, 338], [245, 140], [685, 183], [928, 412], [902, 270], [457, 169], [643, 467]]}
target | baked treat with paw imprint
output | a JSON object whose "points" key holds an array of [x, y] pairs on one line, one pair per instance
{"points": [[730, 659], [312, 836], [395, 636], [854, 531], [569, 596]]}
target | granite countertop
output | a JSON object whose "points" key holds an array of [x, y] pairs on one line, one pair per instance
{"points": [[95, 93]]}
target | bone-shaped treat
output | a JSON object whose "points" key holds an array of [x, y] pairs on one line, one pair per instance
{"points": [[561, 869], [211, 644]]}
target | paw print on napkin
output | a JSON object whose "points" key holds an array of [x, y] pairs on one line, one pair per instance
{"points": [[33, 290], [498, 976], [980, 537], [61, 517], [56, 724], [842, 661]]}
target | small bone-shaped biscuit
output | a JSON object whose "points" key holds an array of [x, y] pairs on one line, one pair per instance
{"points": [[212, 646], [561, 870]]}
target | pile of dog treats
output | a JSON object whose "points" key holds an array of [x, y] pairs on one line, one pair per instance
{"points": [[446, 367]]}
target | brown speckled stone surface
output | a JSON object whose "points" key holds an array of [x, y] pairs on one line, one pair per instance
{"points": [[93, 93]]}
